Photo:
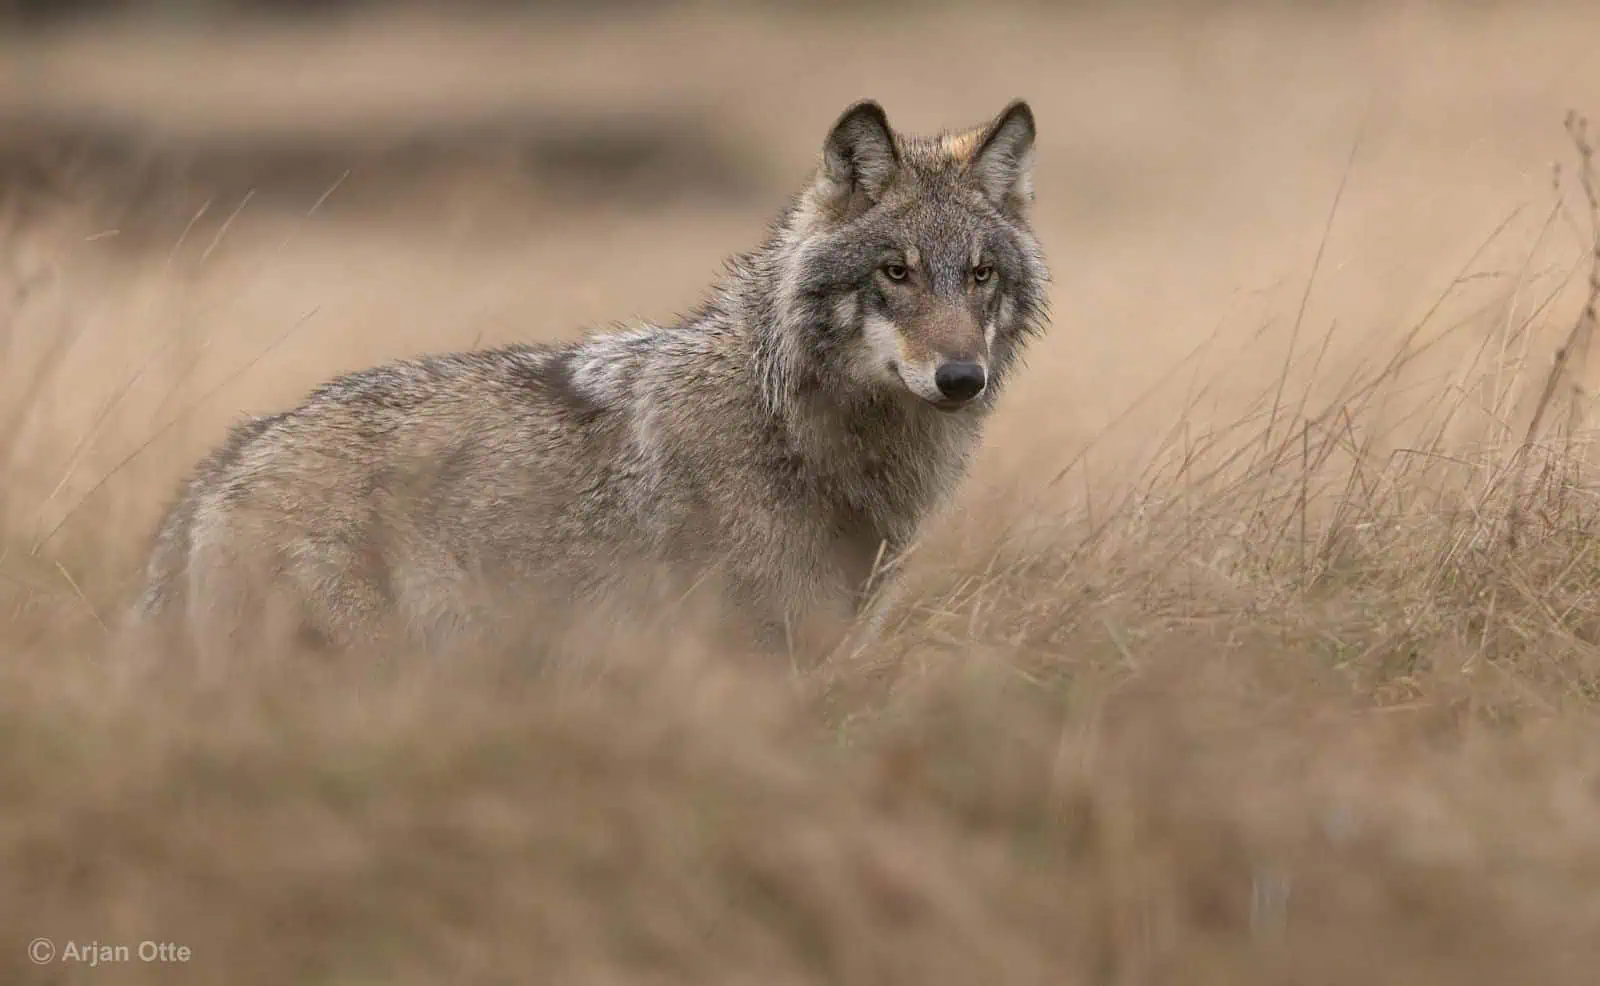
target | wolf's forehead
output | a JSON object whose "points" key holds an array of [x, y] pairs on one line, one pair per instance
{"points": [[939, 171], [951, 247], [943, 152], [944, 227]]}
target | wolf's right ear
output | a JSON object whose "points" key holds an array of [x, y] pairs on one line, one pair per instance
{"points": [[859, 157]]}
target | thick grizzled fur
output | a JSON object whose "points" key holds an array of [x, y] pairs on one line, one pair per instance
{"points": [[789, 435]]}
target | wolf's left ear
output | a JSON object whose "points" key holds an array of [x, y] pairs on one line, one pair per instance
{"points": [[859, 158], [1003, 166]]}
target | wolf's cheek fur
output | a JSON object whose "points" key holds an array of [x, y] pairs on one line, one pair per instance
{"points": [[871, 352], [883, 351], [1001, 313]]}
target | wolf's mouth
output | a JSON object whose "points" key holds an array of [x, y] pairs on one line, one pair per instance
{"points": [[942, 404]]}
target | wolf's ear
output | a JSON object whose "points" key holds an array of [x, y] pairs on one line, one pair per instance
{"points": [[1003, 166], [859, 157]]}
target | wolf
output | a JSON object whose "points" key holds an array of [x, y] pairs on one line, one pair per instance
{"points": [[789, 435]]}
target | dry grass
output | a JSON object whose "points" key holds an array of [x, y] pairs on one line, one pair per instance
{"points": [[1272, 660]]}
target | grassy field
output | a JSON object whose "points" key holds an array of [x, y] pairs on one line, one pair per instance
{"points": [[1263, 646]]}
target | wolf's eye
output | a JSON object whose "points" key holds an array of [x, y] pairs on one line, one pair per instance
{"points": [[982, 273], [895, 272]]}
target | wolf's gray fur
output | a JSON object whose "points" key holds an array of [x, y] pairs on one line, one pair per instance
{"points": [[790, 434]]}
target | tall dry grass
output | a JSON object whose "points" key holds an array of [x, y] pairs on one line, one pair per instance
{"points": [[1287, 675]]}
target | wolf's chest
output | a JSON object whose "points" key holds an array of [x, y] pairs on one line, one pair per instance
{"points": [[859, 545]]}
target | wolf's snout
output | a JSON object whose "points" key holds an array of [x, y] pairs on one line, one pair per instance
{"points": [[960, 380]]}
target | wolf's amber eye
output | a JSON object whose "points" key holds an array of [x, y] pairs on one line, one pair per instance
{"points": [[895, 272], [982, 273]]}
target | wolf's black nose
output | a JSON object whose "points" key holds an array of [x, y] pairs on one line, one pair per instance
{"points": [[959, 380]]}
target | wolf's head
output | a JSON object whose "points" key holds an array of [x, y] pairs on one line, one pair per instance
{"points": [[909, 265]]}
